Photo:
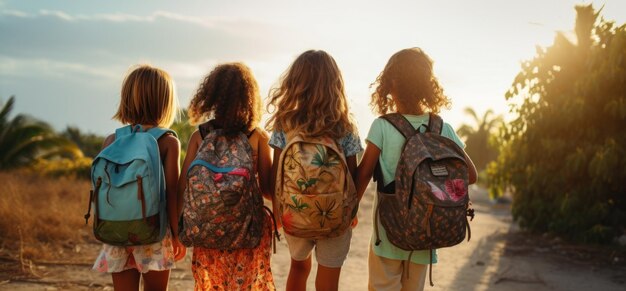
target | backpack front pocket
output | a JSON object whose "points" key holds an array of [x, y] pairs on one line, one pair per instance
{"points": [[319, 215], [128, 233]]}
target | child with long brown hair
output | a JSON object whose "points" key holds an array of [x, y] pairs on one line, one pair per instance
{"points": [[310, 102], [148, 102], [228, 100], [407, 86]]}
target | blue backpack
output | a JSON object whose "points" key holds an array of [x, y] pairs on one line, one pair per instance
{"points": [[128, 193]]}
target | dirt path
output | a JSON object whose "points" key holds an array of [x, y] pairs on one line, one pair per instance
{"points": [[498, 257]]}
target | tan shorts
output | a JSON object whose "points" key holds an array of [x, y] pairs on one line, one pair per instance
{"points": [[331, 252], [389, 274]]}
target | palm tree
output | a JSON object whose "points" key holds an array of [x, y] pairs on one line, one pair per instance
{"points": [[477, 137], [90, 144], [184, 130], [24, 139]]}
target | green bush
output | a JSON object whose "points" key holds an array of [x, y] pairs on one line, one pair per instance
{"points": [[563, 157], [63, 167]]}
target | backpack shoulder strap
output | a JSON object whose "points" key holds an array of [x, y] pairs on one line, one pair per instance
{"points": [[435, 123], [208, 126], [400, 123], [204, 129], [157, 132], [122, 131], [250, 133]]}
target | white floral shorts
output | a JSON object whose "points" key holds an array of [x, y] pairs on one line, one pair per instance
{"points": [[153, 257]]}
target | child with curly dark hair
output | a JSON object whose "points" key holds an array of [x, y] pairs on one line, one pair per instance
{"points": [[406, 86], [229, 99]]}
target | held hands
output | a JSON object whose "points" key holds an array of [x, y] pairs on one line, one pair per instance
{"points": [[179, 249], [354, 223]]}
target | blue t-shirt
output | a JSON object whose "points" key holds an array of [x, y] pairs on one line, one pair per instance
{"points": [[390, 141], [351, 143]]}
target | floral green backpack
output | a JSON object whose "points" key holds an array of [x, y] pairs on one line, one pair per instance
{"points": [[315, 192]]}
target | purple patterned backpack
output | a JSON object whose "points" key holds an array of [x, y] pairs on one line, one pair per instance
{"points": [[223, 207], [427, 205]]}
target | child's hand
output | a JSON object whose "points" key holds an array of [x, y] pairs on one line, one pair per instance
{"points": [[355, 221], [179, 249]]}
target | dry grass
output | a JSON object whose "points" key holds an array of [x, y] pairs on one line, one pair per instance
{"points": [[42, 218]]}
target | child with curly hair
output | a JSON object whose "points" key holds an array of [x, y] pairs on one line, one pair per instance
{"points": [[406, 86], [228, 98]]}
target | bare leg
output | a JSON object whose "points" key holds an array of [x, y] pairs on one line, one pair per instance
{"points": [[327, 278], [127, 280], [298, 274], [156, 280]]}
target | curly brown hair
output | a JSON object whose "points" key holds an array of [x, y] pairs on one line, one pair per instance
{"points": [[229, 95], [311, 99], [408, 83]]}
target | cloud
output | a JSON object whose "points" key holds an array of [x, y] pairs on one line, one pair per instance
{"points": [[67, 68], [50, 68], [125, 37]]}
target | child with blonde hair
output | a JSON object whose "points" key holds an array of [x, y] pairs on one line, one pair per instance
{"points": [[148, 104], [315, 146], [407, 87], [231, 235]]}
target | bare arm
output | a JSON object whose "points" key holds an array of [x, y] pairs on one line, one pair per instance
{"points": [[192, 150], [351, 161], [169, 147], [265, 168], [277, 153], [108, 141], [366, 168]]}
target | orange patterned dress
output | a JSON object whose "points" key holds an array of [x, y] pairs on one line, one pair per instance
{"points": [[243, 269]]}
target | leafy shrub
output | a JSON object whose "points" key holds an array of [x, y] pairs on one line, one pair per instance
{"points": [[564, 156], [63, 167]]}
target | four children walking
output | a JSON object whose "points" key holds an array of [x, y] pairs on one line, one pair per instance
{"points": [[312, 184]]}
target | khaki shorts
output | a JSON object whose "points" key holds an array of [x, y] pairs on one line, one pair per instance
{"points": [[391, 275], [331, 252]]}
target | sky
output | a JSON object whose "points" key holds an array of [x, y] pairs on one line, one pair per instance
{"points": [[65, 60]]}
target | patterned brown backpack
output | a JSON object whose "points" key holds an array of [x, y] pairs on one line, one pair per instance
{"points": [[427, 205], [223, 207], [315, 192]]}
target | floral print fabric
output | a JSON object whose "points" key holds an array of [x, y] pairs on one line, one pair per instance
{"points": [[242, 269], [158, 256], [351, 143]]}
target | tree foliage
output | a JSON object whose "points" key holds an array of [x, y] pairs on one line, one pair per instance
{"points": [[24, 139], [477, 137], [90, 144], [184, 130], [563, 157]]}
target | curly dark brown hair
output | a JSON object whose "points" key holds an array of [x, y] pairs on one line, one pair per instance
{"points": [[229, 95], [408, 84]]}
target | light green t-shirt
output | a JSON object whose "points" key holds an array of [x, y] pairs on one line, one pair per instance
{"points": [[386, 137]]}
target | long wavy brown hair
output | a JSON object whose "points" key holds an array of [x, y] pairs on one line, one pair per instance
{"points": [[310, 98], [408, 76], [230, 96]]}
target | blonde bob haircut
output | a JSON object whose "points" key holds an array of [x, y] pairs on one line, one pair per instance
{"points": [[148, 98], [310, 98]]}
